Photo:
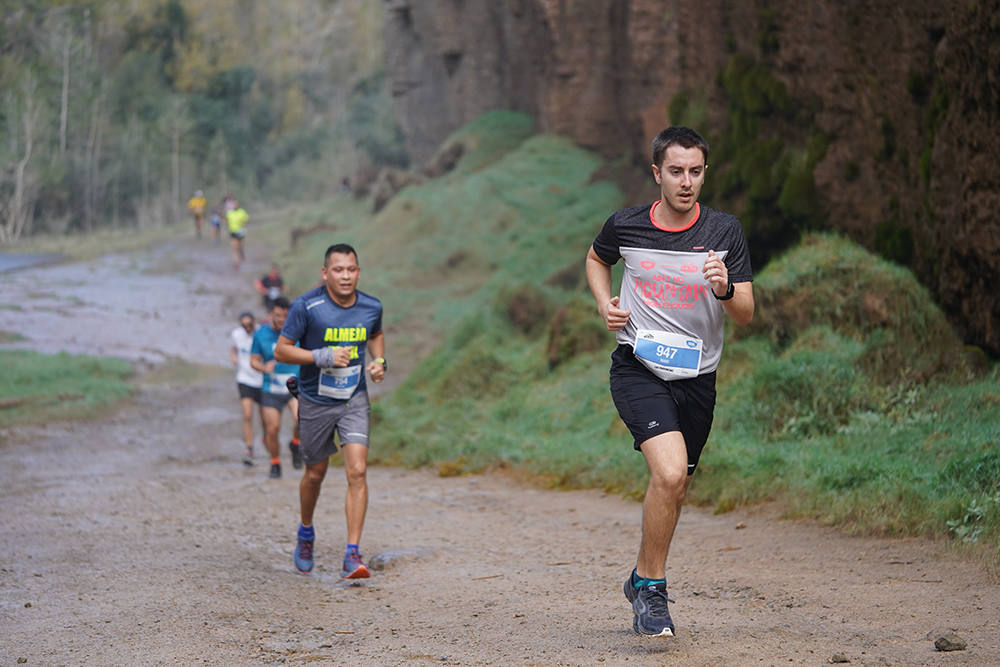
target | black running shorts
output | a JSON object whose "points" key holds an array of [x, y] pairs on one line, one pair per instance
{"points": [[246, 391], [650, 406]]}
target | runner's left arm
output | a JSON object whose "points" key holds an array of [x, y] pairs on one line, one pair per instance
{"points": [[257, 363], [376, 348], [741, 306]]}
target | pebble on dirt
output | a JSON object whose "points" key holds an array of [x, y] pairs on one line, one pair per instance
{"points": [[839, 658], [949, 642]]}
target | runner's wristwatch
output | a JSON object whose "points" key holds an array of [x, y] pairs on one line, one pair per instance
{"points": [[381, 360], [729, 293]]}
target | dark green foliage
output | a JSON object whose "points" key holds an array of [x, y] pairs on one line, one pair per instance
{"points": [[753, 93], [976, 472], [137, 89], [918, 87], [887, 149], [160, 36], [677, 108], [894, 241], [372, 125], [851, 172], [799, 199], [297, 144], [766, 158], [767, 38], [227, 107]]}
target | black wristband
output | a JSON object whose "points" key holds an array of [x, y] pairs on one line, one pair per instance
{"points": [[729, 293]]}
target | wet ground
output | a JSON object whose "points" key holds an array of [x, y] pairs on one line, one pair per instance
{"points": [[140, 538], [14, 261]]}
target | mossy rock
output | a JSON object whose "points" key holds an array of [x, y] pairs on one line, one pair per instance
{"points": [[575, 329], [475, 372], [526, 307], [828, 280]]}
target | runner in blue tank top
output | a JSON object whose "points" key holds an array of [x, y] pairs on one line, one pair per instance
{"points": [[274, 395], [335, 326]]}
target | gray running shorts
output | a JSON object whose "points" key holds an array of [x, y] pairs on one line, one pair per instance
{"points": [[317, 423], [277, 401]]}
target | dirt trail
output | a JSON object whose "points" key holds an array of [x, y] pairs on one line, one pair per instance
{"points": [[141, 539]]}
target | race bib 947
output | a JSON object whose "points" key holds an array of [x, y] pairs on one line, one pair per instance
{"points": [[670, 356]]}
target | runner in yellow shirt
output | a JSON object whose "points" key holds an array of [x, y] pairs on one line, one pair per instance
{"points": [[236, 219], [197, 207]]}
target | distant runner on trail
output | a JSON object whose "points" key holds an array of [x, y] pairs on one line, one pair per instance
{"points": [[335, 325], [197, 207], [274, 394], [270, 286], [215, 219], [236, 220], [686, 268], [248, 380]]}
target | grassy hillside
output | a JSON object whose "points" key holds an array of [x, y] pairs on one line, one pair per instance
{"points": [[36, 388], [849, 400]]}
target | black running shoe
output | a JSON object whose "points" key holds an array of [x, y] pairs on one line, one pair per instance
{"points": [[248, 457], [649, 603], [275, 471], [296, 455]]}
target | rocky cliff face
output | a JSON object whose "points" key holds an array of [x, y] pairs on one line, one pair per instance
{"points": [[906, 94]]}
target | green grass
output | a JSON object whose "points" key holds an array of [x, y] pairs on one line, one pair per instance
{"points": [[36, 388], [100, 242]]}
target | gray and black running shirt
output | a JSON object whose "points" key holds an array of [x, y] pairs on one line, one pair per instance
{"points": [[663, 284]]}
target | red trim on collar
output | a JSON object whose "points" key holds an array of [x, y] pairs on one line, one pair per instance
{"points": [[697, 214]]}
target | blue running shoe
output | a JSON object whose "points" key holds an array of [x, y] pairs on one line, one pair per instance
{"points": [[303, 556], [649, 603], [354, 567]]}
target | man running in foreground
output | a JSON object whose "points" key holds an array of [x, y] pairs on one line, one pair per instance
{"points": [[686, 267], [334, 324], [248, 380], [274, 395]]}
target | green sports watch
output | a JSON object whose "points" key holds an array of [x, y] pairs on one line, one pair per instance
{"points": [[381, 360]]}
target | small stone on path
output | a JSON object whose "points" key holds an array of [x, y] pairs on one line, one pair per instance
{"points": [[949, 642]]}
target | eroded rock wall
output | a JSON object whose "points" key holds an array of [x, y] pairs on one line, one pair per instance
{"points": [[907, 93]]}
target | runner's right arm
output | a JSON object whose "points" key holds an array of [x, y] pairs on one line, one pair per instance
{"points": [[599, 279], [286, 352]]}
